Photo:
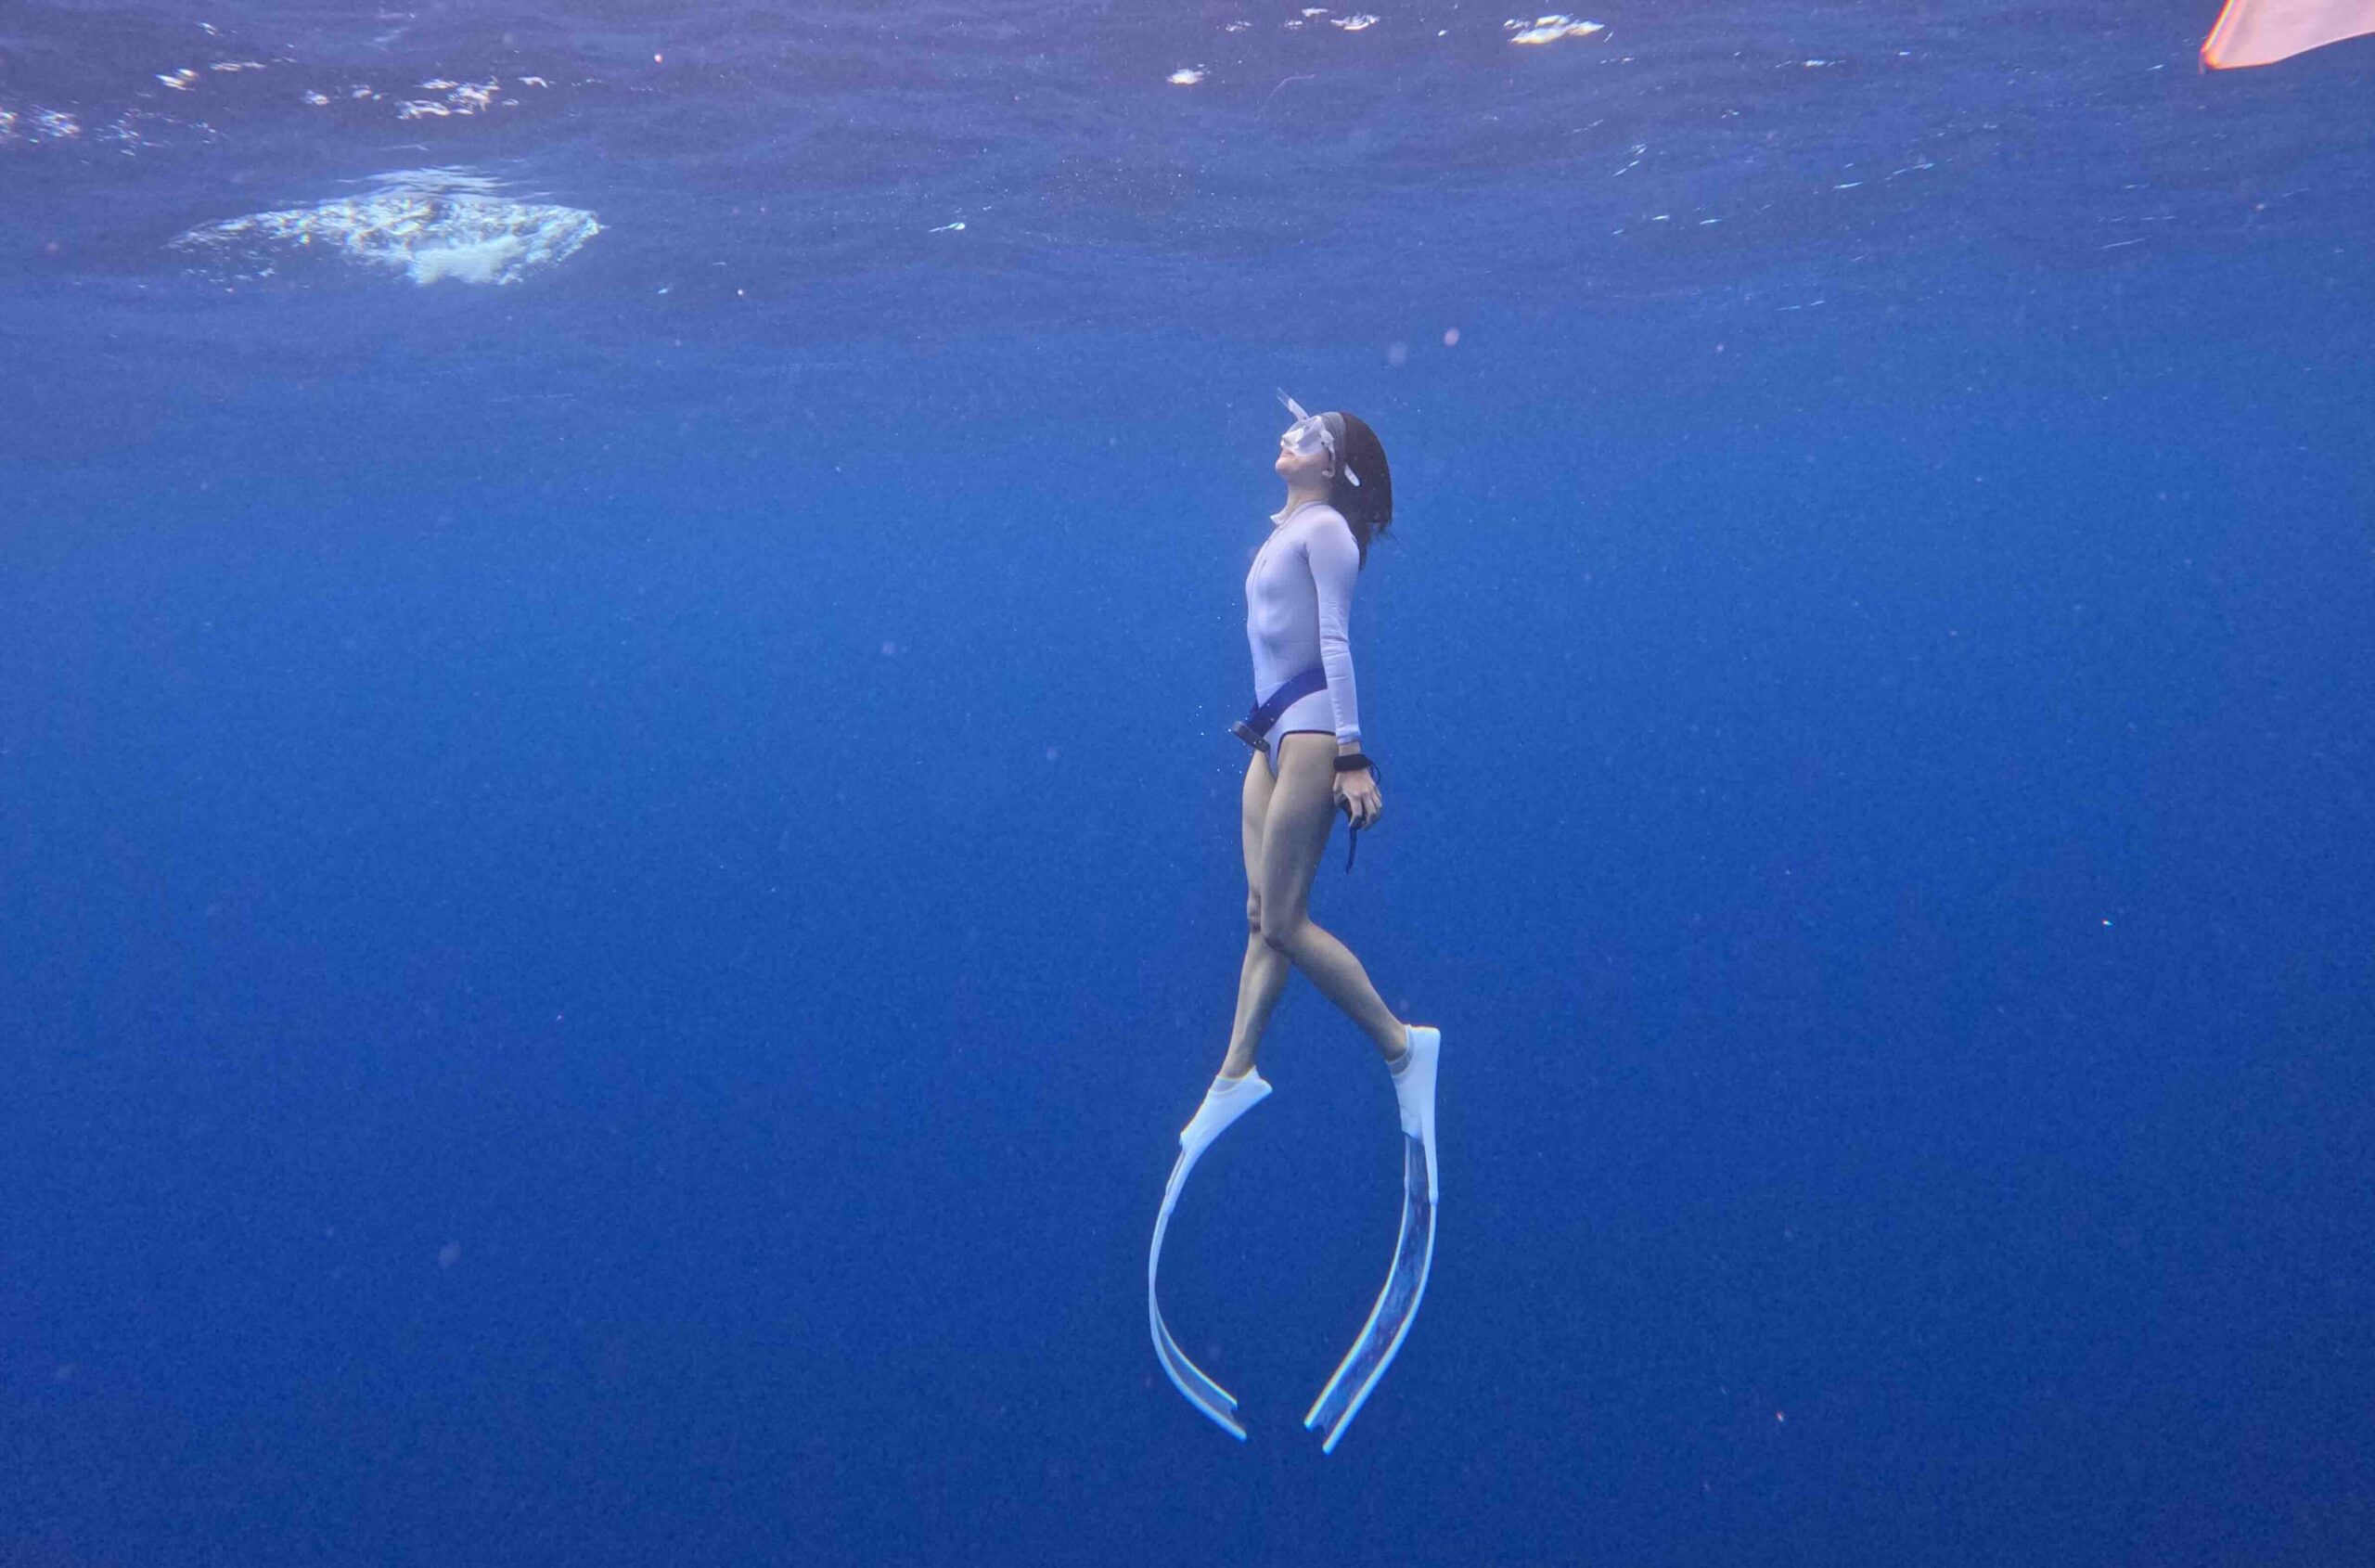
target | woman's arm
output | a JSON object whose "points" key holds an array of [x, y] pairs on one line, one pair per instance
{"points": [[1335, 567]]}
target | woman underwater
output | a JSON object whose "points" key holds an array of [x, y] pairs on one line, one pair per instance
{"points": [[1306, 733]]}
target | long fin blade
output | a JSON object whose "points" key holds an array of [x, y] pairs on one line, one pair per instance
{"points": [[1185, 1375], [1397, 1305], [1226, 1100]]}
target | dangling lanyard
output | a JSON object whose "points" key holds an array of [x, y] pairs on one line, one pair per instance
{"points": [[1352, 833]]}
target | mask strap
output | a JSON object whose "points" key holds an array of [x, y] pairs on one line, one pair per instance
{"points": [[1333, 424]]}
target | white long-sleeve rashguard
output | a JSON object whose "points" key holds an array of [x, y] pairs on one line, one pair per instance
{"points": [[1298, 614]]}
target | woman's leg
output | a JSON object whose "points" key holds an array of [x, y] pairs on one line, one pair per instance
{"points": [[1294, 835], [1264, 974]]}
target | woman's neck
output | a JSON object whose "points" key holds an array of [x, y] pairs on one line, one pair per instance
{"points": [[1301, 495]]}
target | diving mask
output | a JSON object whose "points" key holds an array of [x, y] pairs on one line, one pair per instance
{"points": [[1311, 433]]}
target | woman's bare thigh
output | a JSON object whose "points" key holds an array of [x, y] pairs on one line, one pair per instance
{"points": [[1253, 811], [1301, 813]]}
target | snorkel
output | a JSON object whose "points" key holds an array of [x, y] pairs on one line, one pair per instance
{"points": [[1311, 431]]}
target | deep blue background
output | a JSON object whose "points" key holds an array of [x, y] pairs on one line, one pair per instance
{"points": [[611, 904]]}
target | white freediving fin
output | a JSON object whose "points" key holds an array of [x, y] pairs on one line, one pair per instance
{"points": [[1414, 1250], [1226, 1100]]}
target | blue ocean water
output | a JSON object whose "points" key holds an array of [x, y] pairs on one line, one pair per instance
{"points": [[621, 858]]}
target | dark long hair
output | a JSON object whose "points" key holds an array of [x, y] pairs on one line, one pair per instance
{"points": [[1368, 505]]}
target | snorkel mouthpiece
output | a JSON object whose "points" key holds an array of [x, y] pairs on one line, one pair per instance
{"points": [[1321, 429]]}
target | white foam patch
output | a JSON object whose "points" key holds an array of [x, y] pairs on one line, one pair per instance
{"points": [[432, 225], [33, 126], [1549, 29], [461, 99]]}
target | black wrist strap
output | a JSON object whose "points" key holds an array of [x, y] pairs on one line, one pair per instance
{"points": [[1353, 761]]}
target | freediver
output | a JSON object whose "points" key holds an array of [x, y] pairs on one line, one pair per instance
{"points": [[1305, 730]]}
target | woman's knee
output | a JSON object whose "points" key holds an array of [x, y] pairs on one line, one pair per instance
{"points": [[1253, 913], [1279, 933]]}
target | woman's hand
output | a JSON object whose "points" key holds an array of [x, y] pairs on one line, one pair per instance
{"points": [[1358, 796]]}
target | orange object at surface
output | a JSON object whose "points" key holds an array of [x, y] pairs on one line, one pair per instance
{"points": [[2263, 31]]}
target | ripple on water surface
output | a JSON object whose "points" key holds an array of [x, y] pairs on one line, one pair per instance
{"points": [[430, 225]]}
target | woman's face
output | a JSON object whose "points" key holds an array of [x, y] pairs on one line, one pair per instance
{"points": [[1302, 458]]}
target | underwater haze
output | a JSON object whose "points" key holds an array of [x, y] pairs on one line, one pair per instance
{"points": [[618, 853]]}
